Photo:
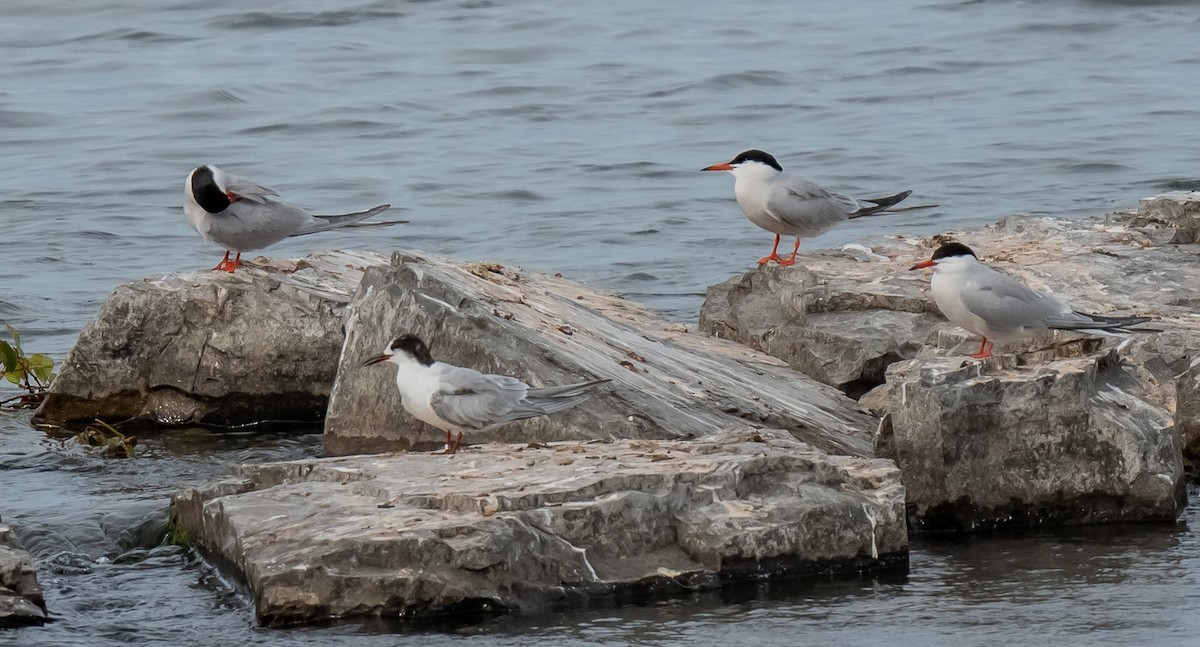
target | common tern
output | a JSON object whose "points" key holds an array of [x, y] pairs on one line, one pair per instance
{"points": [[1000, 308], [787, 205], [241, 216], [456, 399]]}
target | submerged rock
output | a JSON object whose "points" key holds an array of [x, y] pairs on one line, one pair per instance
{"points": [[667, 381], [516, 527], [21, 601], [260, 344]]}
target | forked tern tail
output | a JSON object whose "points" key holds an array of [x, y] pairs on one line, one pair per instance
{"points": [[325, 223]]}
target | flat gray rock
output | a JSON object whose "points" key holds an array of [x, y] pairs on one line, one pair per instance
{"points": [[21, 601], [667, 380], [211, 347], [518, 528]]}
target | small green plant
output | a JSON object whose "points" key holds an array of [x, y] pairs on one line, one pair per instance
{"points": [[32, 373]]}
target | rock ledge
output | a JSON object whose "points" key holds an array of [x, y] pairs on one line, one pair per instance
{"points": [[516, 527]]}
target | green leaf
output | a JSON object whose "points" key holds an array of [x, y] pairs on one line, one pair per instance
{"points": [[41, 367], [14, 376], [16, 339], [10, 356]]}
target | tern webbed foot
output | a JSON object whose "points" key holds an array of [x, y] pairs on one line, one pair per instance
{"points": [[774, 256], [452, 444], [229, 265], [985, 349], [779, 259]]}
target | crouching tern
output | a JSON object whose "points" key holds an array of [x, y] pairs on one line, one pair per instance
{"points": [[1000, 308], [456, 399], [787, 205], [241, 216]]}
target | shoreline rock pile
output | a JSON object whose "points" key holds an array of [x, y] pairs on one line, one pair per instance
{"points": [[708, 458]]}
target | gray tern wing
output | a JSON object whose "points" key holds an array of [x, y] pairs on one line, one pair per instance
{"points": [[806, 207], [1005, 303], [471, 400], [246, 225]]}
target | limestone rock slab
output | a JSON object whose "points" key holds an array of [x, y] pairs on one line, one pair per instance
{"points": [[667, 380], [519, 527], [212, 347]]}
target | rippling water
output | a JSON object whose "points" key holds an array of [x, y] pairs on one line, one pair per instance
{"points": [[565, 138]]}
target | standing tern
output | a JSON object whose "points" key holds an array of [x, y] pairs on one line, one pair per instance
{"points": [[787, 205], [240, 215], [1000, 308], [453, 398]]}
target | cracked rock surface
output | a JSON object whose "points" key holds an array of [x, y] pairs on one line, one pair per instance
{"points": [[999, 443], [517, 527], [667, 380]]}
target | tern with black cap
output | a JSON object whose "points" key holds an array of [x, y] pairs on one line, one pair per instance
{"points": [[456, 399], [788, 205], [1001, 309], [242, 216]]}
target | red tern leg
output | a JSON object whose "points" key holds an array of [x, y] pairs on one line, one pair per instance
{"points": [[774, 253], [789, 262]]}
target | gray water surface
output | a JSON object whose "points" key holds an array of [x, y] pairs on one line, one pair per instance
{"points": [[565, 137]]}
